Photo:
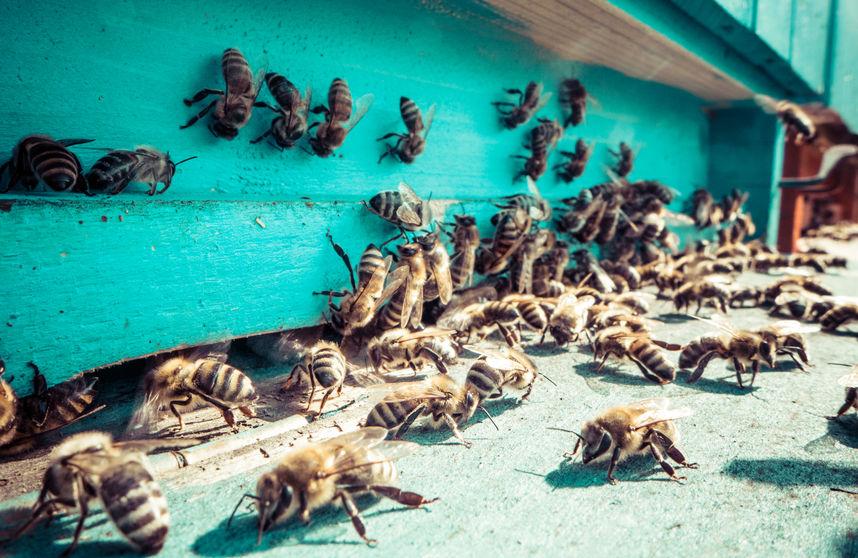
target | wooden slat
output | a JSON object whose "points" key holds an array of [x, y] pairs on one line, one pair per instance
{"points": [[594, 31]]}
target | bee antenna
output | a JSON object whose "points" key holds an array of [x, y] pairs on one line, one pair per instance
{"points": [[240, 501], [549, 379], [840, 364], [184, 161], [483, 409], [565, 430]]}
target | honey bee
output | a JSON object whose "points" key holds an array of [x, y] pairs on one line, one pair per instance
{"points": [[119, 168], [573, 98], [39, 158], [438, 262], [332, 471], [628, 273], [407, 281], [340, 117], [575, 162], [48, 409], [543, 138], [536, 206], [787, 339], [838, 315], [501, 369], [809, 284], [466, 240], [850, 383], [621, 342], [187, 382], [740, 295], [529, 103], [534, 246], [92, 466], [532, 309], [704, 210], [438, 397], [8, 409], [511, 229], [620, 432], [792, 115], [569, 318], [358, 306], [479, 320], [324, 366], [292, 111], [588, 265], [709, 290], [397, 349], [410, 145], [233, 106], [745, 348], [625, 159], [403, 208]]}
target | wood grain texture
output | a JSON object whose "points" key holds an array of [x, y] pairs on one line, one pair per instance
{"points": [[194, 265]]}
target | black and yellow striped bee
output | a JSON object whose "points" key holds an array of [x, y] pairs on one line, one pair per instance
{"points": [[40, 159], [340, 117], [292, 111], [119, 168], [410, 145], [324, 366], [402, 207]]}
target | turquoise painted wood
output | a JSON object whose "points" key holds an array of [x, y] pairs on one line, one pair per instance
{"points": [[237, 245], [808, 52], [842, 88], [745, 153], [773, 23], [741, 10]]}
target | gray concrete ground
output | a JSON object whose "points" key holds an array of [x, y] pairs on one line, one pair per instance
{"points": [[768, 460]]}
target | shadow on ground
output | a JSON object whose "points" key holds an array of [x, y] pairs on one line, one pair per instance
{"points": [[577, 475], [792, 472]]}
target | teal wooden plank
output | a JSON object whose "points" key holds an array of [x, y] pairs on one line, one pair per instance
{"points": [[773, 24], [193, 265], [810, 41], [843, 71], [745, 146], [741, 10]]}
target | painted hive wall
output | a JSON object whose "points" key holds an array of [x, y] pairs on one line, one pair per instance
{"points": [[237, 245]]}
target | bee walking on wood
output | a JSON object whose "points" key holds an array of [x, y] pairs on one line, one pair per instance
{"points": [[402, 207], [119, 168], [410, 145], [479, 320], [91, 466], [543, 138], [850, 384], [439, 397], [398, 349], [575, 162], [233, 107], [191, 382], [39, 158], [625, 159], [325, 367], [530, 101], [329, 472], [466, 240], [621, 432], [340, 117], [292, 111], [358, 307], [573, 99]]}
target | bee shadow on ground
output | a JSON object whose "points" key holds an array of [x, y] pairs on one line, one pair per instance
{"points": [[577, 475], [792, 472], [845, 430], [722, 386], [54, 537], [610, 373], [674, 318], [239, 539], [422, 433], [846, 545]]}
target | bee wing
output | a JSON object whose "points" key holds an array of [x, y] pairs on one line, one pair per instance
{"points": [[719, 322], [408, 194], [397, 279], [408, 216], [650, 418], [406, 391], [427, 332], [850, 380], [361, 107], [144, 418], [767, 103], [543, 100], [308, 99], [678, 218], [150, 445], [428, 116], [533, 188], [787, 327], [350, 457]]}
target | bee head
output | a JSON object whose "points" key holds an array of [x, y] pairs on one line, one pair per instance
{"points": [[768, 352], [408, 250], [465, 220], [223, 129], [273, 501], [468, 408], [597, 441]]}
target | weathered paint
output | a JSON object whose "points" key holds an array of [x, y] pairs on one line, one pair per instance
{"points": [[194, 265], [744, 144], [810, 41]]}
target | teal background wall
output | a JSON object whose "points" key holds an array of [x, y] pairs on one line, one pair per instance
{"points": [[237, 245], [843, 70]]}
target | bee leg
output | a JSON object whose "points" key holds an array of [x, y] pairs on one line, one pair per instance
{"points": [[325, 399], [740, 369], [409, 420], [508, 335], [343, 256], [755, 368], [247, 411], [175, 410], [645, 371], [435, 358], [668, 468], [673, 452], [312, 390], [263, 104], [851, 399], [410, 499], [262, 137], [392, 135], [202, 94], [84, 511], [615, 458], [354, 514], [456, 432], [294, 376], [199, 115], [701, 366]]}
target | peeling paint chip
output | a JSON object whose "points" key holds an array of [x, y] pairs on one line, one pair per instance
{"points": [[260, 222]]}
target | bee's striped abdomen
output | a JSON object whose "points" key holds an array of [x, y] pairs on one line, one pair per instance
{"points": [[236, 72], [328, 367], [224, 383], [283, 90], [390, 414], [391, 314], [114, 168], [484, 378], [370, 262], [410, 114], [51, 162], [340, 100], [696, 349], [135, 503]]}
